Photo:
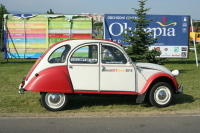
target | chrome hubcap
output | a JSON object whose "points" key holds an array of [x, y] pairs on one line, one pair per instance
{"points": [[162, 95], [54, 98]]}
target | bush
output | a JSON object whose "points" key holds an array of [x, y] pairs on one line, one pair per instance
{"points": [[198, 48]]}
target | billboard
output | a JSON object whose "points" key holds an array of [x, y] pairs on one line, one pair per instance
{"points": [[29, 35], [172, 31]]}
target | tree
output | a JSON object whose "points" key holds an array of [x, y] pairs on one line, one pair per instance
{"points": [[98, 24], [139, 39], [50, 11], [2, 12], [196, 25]]}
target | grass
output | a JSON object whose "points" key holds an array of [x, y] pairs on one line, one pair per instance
{"points": [[14, 104]]}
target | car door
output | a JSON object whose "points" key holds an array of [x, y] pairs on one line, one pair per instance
{"points": [[116, 73], [83, 66]]}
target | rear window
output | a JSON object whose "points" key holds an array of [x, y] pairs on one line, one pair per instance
{"points": [[59, 55]]}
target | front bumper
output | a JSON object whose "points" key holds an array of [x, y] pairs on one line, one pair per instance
{"points": [[180, 89]]}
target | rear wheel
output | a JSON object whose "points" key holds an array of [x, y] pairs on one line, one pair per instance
{"points": [[161, 94], [54, 101]]}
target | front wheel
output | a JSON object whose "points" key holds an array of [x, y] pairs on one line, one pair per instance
{"points": [[54, 101], [161, 94]]}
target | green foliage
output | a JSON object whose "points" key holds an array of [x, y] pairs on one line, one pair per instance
{"points": [[99, 24], [198, 48], [147, 56], [195, 24], [151, 57], [139, 39], [79, 17], [50, 11], [3, 11]]}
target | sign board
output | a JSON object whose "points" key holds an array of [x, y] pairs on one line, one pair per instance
{"points": [[29, 35], [172, 31]]}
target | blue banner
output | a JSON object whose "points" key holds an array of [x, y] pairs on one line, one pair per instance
{"points": [[24, 55], [27, 40], [172, 31]]}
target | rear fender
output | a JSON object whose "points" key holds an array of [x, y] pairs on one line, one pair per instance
{"points": [[54, 79]]}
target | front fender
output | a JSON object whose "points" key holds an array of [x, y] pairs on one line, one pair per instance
{"points": [[156, 76], [55, 79]]}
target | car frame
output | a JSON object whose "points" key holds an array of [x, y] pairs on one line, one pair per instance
{"points": [[97, 66]]}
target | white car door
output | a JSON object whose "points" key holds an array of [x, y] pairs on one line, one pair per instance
{"points": [[83, 66], [116, 74]]}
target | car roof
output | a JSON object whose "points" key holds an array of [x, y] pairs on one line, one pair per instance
{"points": [[86, 40], [78, 40]]}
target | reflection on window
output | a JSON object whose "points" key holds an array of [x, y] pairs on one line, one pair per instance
{"points": [[112, 55], [59, 55], [86, 54]]}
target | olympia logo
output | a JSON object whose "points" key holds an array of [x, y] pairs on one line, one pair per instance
{"points": [[157, 31]]}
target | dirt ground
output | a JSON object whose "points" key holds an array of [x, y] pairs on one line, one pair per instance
{"points": [[101, 114]]}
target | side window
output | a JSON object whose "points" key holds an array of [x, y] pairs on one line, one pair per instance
{"points": [[112, 55], [59, 55], [85, 54]]}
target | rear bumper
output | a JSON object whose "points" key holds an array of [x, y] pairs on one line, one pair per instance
{"points": [[21, 89], [180, 89]]}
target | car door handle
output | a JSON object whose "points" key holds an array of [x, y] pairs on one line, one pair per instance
{"points": [[70, 66], [103, 68]]}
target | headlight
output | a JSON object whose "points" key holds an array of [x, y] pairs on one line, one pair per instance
{"points": [[175, 72]]}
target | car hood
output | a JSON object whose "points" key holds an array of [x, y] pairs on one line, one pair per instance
{"points": [[153, 66]]}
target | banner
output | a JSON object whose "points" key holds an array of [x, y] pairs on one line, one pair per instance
{"points": [[172, 32], [29, 35]]}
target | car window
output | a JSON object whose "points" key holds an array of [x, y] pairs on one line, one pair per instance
{"points": [[112, 55], [85, 54], [59, 55]]}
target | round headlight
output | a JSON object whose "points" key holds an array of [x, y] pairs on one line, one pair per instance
{"points": [[175, 72]]}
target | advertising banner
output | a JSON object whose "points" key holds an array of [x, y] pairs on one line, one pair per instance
{"points": [[29, 35], [172, 32]]}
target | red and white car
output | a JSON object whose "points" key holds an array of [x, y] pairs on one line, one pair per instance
{"points": [[97, 66]]}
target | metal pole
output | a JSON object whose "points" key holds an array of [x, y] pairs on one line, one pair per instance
{"points": [[2, 31], [24, 20], [70, 29], [195, 50]]}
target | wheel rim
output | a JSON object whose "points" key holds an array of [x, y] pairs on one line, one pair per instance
{"points": [[162, 95], [55, 100]]}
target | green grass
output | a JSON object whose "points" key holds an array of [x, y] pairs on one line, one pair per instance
{"points": [[80, 54], [13, 103]]}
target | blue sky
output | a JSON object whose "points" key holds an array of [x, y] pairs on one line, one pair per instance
{"points": [[158, 7]]}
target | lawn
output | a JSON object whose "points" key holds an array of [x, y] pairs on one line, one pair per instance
{"points": [[14, 104]]}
